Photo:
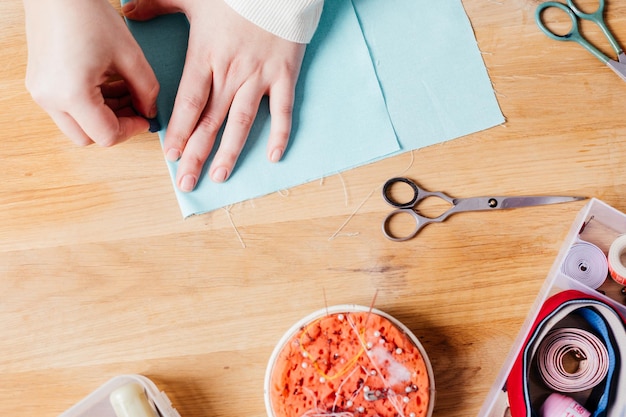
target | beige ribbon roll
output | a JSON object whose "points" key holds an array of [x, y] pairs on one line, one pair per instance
{"points": [[617, 269], [591, 355]]}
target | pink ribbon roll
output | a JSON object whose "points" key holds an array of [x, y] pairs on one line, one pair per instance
{"points": [[572, 360]]}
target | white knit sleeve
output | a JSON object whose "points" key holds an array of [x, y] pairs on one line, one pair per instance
{"points": [[294, 20]]}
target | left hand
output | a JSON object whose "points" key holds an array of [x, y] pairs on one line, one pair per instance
{"points": [[87, 71], [230, 65]]}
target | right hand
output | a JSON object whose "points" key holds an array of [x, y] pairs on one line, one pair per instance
{"points": [[87, 71], [231, 64]]}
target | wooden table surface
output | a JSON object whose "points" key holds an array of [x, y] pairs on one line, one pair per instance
{"points": [[101, 276]]}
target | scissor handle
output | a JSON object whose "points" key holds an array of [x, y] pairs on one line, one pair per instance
{"points": [[409, 207], [401, 204], [419, 194], [597, 17], [574, 33], [420, 221]]}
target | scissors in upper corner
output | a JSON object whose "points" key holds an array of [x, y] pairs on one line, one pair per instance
{"points": [[597, 17], [459, 205]]}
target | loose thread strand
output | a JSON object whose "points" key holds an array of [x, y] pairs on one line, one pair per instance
{"points": [[340, 387], [325, 301], [334, 235], [410, 164], [345, 190], [369, 312], [392, 399], [232, 223]]}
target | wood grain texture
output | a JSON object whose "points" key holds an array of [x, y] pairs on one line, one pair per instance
{"points": [[99, 274]]}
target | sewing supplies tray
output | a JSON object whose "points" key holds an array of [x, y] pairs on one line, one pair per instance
{"points": [[598, 226], [98, 403]]}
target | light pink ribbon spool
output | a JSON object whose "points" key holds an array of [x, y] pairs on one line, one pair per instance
{"points": [[565, 347]]}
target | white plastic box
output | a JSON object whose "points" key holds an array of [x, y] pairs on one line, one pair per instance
{"points": [[97, 403], [597, 223]]}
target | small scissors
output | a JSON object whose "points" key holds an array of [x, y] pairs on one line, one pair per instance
{"points": [[459, 205], [597, 17]]}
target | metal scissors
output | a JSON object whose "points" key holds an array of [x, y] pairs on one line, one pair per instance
{"points": [[459, 205], [597, 17]]}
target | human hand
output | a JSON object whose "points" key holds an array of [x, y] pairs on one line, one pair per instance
{"points": [[230, 65], [87, 71]]}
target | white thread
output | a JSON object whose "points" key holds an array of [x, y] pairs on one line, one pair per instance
{"points": [[345, 190], [232, 223], [410, 165], [341, 386], [334, 235], [317, 412], [390, 394]]}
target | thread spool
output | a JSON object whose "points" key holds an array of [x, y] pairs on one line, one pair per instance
{"points": [[587, 264], [559, 405], [617, 269], [130, 401]]}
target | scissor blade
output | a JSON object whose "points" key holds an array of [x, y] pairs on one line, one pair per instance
{"points": [[528, 201], [506, 202], [618, 67]]}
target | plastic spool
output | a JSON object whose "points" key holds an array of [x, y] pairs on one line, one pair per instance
{"points": [[130, 401], [617, 269], [558, 405], [587, 264]]}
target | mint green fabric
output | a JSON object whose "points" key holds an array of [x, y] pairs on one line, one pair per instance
{"points": [[379, 78]]}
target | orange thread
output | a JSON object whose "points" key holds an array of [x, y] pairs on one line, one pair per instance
{"points": [[343, 370]]}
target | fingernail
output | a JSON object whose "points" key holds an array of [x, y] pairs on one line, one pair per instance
{"points": [[187, 183], [172, 155], [220, 174], [129, 7], [153, 112], [276, 155]]}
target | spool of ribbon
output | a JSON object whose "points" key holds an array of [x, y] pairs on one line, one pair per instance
{"points": [[617, 269], [587, 264], [572, 360]]}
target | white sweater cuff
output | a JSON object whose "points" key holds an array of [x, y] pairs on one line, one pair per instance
{"points": [[294, 20]]}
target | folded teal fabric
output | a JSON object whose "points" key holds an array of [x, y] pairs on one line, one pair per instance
{"points": [[378, 78]]}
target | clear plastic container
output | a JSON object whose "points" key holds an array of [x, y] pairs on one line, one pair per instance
{"points": [[97, 404], [598, 224]]}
